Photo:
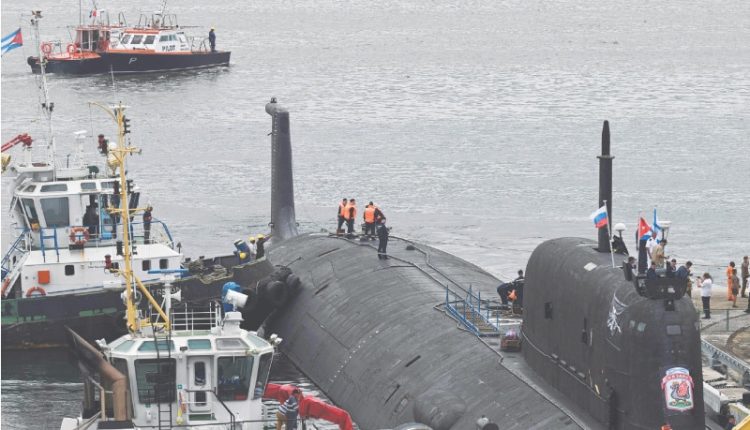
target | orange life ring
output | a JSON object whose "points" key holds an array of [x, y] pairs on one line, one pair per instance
{"points": [[33, 290], [46, 48], [71, 49], [79, 235]]}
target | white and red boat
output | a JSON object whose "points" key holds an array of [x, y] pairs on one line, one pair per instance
{"points": [[155, 43]]}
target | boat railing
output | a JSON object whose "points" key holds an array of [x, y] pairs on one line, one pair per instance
{"points": [[202, 46], [190, 320], [20, 246]]}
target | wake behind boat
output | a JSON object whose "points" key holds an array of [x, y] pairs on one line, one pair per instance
{"points": [[156, 43]]}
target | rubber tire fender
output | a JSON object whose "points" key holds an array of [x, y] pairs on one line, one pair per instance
{"points": [[293, 282], [276, 293]]}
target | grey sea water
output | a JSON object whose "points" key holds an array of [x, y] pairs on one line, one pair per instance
{"points": [[475, 125]]}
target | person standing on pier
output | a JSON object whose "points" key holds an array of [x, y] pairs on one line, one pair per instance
{"points": [[745, 275], [735, 287], [341, 217], [706, 285], [730, 271]]}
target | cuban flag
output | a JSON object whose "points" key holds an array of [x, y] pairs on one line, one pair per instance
{"points": [[644, 230], [12, 41], [600, 217]]}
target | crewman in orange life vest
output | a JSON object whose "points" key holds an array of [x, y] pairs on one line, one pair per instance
{"points": [[340, 215], [350, 214], [369, 217]]}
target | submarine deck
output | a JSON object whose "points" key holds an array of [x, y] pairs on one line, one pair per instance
{"points": [[340, 338]]}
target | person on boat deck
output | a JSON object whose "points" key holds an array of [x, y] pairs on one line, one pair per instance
{"points": [[252, 247], [651, 272], [91, 220], [658, 254], [260, 249], [212, 39], [735, 287], [730, 269], [706, 282], [147, 217], [369, 218], [102, 145], [288, 411]]}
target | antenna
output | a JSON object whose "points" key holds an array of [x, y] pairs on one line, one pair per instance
{"points": [[47, 105]]}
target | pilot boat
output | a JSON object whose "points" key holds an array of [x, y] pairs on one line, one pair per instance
{"points": [[156, 43]]}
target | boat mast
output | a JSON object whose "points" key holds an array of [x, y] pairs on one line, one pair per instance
{"points": [[47, 105], [131, 281]]}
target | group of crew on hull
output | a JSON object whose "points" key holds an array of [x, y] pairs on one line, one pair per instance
{"points": [[374, 223]]}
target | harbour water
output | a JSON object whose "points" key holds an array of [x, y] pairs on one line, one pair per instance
{"points": [[474, 125]]}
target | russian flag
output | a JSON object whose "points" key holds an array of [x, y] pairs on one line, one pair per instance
{"points": [[12, 41], [600, 217]]}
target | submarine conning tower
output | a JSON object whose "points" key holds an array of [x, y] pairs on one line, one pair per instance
{"points": [[624, 348], [283, 219]]}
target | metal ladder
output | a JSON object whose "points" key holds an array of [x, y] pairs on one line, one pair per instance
{"points": [[164, 411], [44, 237]]}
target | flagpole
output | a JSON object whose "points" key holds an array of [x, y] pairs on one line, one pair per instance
{"points": [[609, 235]]}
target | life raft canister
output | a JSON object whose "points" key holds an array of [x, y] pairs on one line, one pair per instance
{"points": [[79, 235], [30, 292]]}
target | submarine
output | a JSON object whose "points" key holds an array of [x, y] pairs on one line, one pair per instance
{"points": [[602, 347]]}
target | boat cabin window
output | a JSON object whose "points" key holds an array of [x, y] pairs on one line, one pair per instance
{"points": [[149, 345], [28, 207], [54, 187], [155, 379], [137, 39], [125, 346], [125, 39], [234, 377], [224, 344], [108, 185], [200, 373], [199, 344], [163, 263], [149, 40], [56, 212], [181, 38], [70, 270], [264, 369], [163, 38], [30, 188], [146, 265], [86, 186]]}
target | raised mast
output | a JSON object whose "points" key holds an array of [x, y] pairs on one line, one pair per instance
{"points": [[46, 104]]}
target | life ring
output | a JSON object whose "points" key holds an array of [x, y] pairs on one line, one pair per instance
{"points": [[30, 292], [79, 235], [46, 48], [71, 48]]}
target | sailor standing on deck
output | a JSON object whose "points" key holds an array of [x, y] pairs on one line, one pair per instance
{"points": [[383, 243], [369, 218], [147, 217], [350, 214], [212, 39], [340, 215]]}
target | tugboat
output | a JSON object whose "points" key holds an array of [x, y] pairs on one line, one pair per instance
{"points": [[156, 43], [70, 236], [190, 368]]}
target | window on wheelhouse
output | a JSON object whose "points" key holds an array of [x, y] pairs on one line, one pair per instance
{"points": [[56, 211], [264, 369], [30, 211], [163, 38], [155, 379], [136, 39], [125, 39], [149, 40], [234, 377]]}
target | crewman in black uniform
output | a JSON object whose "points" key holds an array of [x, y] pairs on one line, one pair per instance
{"points": [[212, 39], [383, 243]]}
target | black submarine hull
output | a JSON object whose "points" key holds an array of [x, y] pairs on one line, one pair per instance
{"points": [[599, 341], [369, 334]]}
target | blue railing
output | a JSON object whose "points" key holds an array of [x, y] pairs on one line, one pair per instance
{"points": [[468, 310]]}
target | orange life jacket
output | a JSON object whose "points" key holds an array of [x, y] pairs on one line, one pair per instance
{"points": [[370, 214], [342, 209], [350, 209]]}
